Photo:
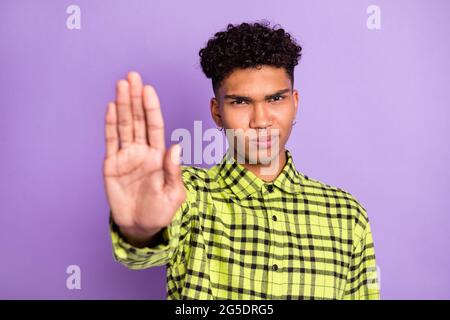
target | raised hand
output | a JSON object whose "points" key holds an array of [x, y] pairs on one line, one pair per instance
{"points": [[142, 179]]}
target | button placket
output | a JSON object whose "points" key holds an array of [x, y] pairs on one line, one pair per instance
{"points": [[274, 265]]}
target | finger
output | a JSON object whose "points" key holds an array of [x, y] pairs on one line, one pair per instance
{"points": [[137, 108], [125, 118], [154, 119], [111, 136], [172, 167]]}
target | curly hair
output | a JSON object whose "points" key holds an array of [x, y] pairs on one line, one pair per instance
{"points": [[248, 45]]}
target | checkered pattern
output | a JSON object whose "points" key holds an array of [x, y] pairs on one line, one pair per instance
{"points": [[238, 237]]}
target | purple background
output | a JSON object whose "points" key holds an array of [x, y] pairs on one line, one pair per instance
{"points": [[373, 119]]}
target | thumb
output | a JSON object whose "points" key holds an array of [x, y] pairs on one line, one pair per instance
{"points": [[172, 167]]}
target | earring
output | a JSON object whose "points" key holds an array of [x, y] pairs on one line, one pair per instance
{"points": [[294, 122]]}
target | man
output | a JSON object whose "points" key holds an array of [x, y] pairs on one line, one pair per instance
{"points": [[237, 230]]}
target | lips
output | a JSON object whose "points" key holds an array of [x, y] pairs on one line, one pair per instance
{"points": [[263, 141]]}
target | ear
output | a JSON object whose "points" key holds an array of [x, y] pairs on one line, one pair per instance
{"points": [[215, 112], [296, 97]]}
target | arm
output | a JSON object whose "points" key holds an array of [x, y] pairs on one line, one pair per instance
{"points": [[143, 180], [363, 279]]}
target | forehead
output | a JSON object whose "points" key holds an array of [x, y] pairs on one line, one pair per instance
{"points": [[253, 82]]}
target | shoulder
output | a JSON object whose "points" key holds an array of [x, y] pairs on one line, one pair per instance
{"points": [[193, 172], [194, 177], [336, 202]]}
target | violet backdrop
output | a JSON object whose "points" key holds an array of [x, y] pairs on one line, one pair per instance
{"points": [[373, 119]]}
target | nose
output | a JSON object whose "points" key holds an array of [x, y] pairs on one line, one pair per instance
{"points": [[261, 117]]}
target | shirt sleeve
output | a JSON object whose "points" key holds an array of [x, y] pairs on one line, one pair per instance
{"points": [[363, 276], [160, 253]]}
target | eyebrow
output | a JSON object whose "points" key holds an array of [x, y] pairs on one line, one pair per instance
{"points": [[245, 98]]}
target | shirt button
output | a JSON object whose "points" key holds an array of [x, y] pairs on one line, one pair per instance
{"points": [[275, 267], [274, 218], [270, 187]]}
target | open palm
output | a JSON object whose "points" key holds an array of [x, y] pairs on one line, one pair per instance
{"points": [[142, 179]]}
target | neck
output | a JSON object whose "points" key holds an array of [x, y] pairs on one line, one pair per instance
{"points": [[258, 169]]}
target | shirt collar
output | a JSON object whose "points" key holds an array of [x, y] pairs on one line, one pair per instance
{"points": [[243, 183]]}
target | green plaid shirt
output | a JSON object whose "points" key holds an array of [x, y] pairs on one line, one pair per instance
{"points": [[238, 237]]}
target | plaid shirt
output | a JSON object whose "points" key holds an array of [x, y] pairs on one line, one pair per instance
{"points": [[238, 237]]}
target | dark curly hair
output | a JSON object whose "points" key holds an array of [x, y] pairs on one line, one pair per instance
{"points": [[248, 45]]}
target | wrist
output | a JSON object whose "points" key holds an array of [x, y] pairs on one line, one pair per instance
{"points": [[138, 237]]}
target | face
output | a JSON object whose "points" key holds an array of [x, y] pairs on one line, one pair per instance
{"points": [[256, 107]]}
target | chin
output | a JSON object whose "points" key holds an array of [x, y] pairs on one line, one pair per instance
{"points": [[265, 156]]}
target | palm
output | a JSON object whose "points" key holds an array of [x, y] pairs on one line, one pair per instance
{"points": [[143, 184], [134, 162]]}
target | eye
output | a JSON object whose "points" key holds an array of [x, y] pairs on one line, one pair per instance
{"points": [[238, 101], [276, 98]]}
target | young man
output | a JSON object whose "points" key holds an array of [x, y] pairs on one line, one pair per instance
{"points": [[237, 230]]}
